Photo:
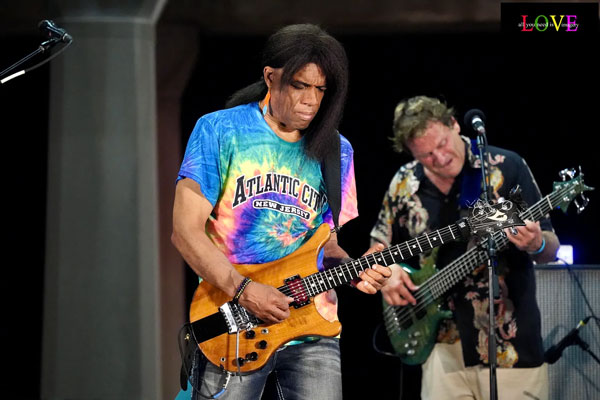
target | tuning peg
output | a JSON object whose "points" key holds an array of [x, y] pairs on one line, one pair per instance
{"points": [[567, 173], [581, 207]]}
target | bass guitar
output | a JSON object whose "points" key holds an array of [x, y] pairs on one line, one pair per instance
{"points": [[412, 330], [231, 337]]}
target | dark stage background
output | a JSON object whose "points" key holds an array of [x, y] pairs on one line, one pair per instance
{"points": [[540, 99]]}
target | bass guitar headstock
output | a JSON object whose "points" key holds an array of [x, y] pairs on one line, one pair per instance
{"points": [[572, 186], [488, 218]]}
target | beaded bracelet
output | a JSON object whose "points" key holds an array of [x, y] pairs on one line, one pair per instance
{"points": [[241, 289], [538, 251]]}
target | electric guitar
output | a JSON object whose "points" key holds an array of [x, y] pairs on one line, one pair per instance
{"points": [[412, 330], [217, 322]]}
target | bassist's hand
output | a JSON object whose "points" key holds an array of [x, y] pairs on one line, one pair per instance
{"points": [[266, 302], [397, 290]]}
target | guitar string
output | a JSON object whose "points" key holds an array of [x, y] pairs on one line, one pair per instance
{"points": [[387, 253], [446, 234], [475, 254], [532, 211]]}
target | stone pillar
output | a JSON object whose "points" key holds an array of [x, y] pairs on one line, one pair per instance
{"points": [[102, 310]]}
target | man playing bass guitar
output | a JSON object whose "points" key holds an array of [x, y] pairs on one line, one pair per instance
{"points": [[436, 188]]}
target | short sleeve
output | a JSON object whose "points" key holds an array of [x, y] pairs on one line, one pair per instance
{"points": [[201, 160]]}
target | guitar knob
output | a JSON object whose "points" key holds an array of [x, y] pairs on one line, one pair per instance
{"points": [[411, 352], [240, 361], [262, 344], [250, 334], [414, 342], [417, 334], [252, 356]]}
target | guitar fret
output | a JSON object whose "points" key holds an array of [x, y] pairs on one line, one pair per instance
{"points": [[408, 246], [442, 240], [392, 255], [319, 283], [419, 244], [400, 251], [359, 262], [344, 275], [427, 237], [549, 203], [451, 231], [326, 279], [331, 277], [307, 284], [374, 260], [353, 266], [341, 273]]}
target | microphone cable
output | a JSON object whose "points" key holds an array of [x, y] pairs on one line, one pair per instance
{"points": [[42, 49]]}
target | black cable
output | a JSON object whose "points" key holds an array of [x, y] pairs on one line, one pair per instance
{"points": [[186, 337], [49, 58], [376, 348], [583, 294], [22, 72], [387, 353]]}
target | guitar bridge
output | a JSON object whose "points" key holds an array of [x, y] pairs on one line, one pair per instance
{"points": [[237, 317]]}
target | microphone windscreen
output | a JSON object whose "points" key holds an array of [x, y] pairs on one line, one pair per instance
{"points": [[471, 114]]}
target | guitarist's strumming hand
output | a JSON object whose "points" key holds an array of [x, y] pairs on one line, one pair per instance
{"points": [[397, 290], [266, 302], [374, 278]]}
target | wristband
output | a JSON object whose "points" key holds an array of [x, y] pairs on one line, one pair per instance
{"points": [[538, 251], [241, 289]]}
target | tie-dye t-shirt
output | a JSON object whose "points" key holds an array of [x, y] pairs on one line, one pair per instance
{"points": [[268, 196]]}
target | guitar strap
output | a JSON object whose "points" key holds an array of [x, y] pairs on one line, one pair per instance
{"points": [[331, 169], [471, 182]]}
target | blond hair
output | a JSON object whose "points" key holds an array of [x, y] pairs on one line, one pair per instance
{"points": [[412, 115]]}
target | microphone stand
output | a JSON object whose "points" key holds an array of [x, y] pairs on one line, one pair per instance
{"points": [[41, 48], [494, 289]]}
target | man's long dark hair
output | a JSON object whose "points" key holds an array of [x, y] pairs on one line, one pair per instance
{"points": [[291, 48]]}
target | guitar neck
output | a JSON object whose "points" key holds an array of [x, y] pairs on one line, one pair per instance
{"points": [[440, 283], [344, 273]]}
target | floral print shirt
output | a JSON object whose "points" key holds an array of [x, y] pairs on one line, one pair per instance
{"points": [[412, 206]]}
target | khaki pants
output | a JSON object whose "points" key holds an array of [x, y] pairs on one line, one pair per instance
{"points": [[446, 377]]}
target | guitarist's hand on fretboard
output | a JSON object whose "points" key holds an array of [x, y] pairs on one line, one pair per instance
{"points": [[266, 302], [530, 238], [374, 278], [397, 290]]}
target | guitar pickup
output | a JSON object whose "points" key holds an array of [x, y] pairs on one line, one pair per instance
{"points": [[296, 289]]}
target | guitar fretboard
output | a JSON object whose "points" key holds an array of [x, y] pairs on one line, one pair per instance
{"points": [[344, 273]]}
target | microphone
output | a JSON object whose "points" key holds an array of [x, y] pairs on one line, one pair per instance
{"points": [[553, 353], [49, 28], [476, 119]]}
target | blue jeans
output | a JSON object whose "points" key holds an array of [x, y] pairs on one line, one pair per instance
{"points": [[303, 371]]}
